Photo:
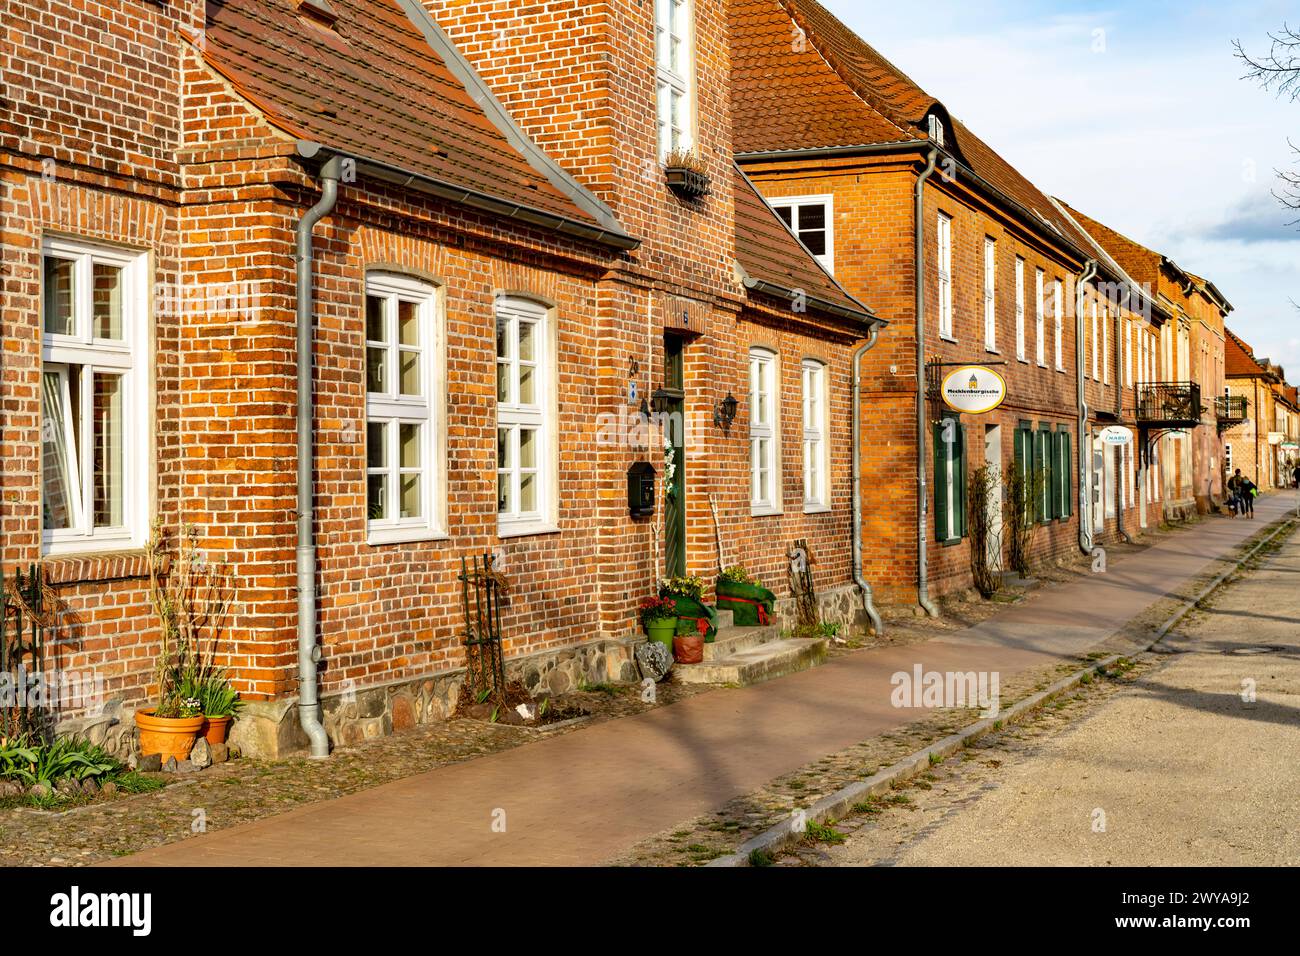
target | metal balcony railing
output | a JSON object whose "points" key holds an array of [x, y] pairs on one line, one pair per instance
{"points": [[1169, 404], [1230, 408]]}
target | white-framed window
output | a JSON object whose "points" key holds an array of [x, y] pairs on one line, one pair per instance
{"points": [[674, 75], [1096, 343], [1058, 321], [945, 275], [990, 294], [1105, 344], [1040, 333], [95, 429], [1128, 352], [1020, 309], [935, 127], [405, 411], [812, 219], [764, 429], [816, 458], [526, 486]]}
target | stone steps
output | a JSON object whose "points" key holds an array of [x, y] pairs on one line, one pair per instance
{"points": [[756, 663], [732, 639]]}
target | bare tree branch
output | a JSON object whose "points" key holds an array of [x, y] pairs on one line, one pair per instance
{"points": [[1279, 69]]}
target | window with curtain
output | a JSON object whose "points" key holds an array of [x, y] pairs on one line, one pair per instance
{"points": [[763, 432], [94, 433], [1057, 319], [405, 403], [949, 479]]}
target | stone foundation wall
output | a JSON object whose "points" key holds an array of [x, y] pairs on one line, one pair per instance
{"points": [[840, 605]]}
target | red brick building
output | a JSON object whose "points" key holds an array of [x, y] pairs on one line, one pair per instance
{"points": [[499, 279], [876, 176]]}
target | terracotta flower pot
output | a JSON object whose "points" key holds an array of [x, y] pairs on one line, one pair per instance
{"points": [[167, 736], [215, 729], [688, 649]]}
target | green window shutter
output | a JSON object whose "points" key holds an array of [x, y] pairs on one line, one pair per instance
{"points": [[960, 496], [1053, 477], [1068, 470], [940, 485], [1022, 452]]}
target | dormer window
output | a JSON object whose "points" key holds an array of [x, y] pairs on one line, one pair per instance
{"points": [[936, 129], [674, 73], [318, 11]]}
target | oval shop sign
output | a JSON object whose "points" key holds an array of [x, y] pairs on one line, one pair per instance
{"points": [[973, 389], [1115, 435]]}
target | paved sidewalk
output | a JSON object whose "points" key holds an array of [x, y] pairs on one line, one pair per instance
{"points": [[580, 798], [1175, 770]]}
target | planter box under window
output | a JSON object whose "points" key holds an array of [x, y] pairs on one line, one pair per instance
{"points": [[688, 183]]}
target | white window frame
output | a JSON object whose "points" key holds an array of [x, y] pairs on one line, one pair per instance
{"points": [[1020, 309], [1058, 322], [1096, 343], [540, 416], [1128, 352], [816, 447], [391, 410], [795, 204], [1040, 327], [1105, 344], [990, 294], [944, 257], [674, 21], [131, 358], [764, 427]]}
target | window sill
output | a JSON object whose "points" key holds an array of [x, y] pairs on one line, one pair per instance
{"points": [[65, 569], [1021, 358], [947, 337], [1042, 365], [765, 511], [817, 509], [404, 536], [520, 529], [992, 350]]}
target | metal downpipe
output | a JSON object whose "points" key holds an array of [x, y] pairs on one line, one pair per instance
{"points": [[872, 614], [922, 495], [308, 653], [1084, 453], [1120, 474]]}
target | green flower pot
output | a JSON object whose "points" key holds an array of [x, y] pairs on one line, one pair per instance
{"points": [[663, 631]]}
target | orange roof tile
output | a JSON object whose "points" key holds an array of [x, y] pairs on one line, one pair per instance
{"points": [[372, 87], [1239, 359], [801, 79], [768, 252]]}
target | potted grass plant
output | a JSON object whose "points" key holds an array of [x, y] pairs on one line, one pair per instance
{"points": [[687, 174], [190, 595], [218, 700]]}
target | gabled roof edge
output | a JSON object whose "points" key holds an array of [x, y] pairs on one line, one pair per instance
{"points": [[501, 119]]}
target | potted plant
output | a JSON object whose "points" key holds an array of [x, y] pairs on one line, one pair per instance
{"points": [[750, 603], [659, 618], [688, 648], [693, 615], [687, 174], [190, 597], [220, 703]]}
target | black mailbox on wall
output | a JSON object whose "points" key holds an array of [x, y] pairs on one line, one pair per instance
{"points": [[641, 490]]}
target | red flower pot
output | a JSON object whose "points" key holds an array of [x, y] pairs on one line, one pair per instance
{"points": [[688, 649]]}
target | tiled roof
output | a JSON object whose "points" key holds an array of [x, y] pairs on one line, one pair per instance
{"points": [[785, 95], [372, 87], [768, 252], [1239, 359], [1137, 260], [830, 88]]}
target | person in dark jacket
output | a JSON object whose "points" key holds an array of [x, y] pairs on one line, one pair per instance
{"points": [[1234, 493], [1248, 493]]}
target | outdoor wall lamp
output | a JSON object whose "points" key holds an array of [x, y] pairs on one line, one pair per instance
{"points": [[725, 413]]}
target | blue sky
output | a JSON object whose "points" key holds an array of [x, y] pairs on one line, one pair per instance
{"points": [[1133, 112]]}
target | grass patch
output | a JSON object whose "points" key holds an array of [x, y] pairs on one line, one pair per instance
{"points": [[760, 858], [824, 833]]}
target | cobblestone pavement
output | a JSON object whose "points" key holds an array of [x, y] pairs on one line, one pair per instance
{"points": [[1165, 763]]}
